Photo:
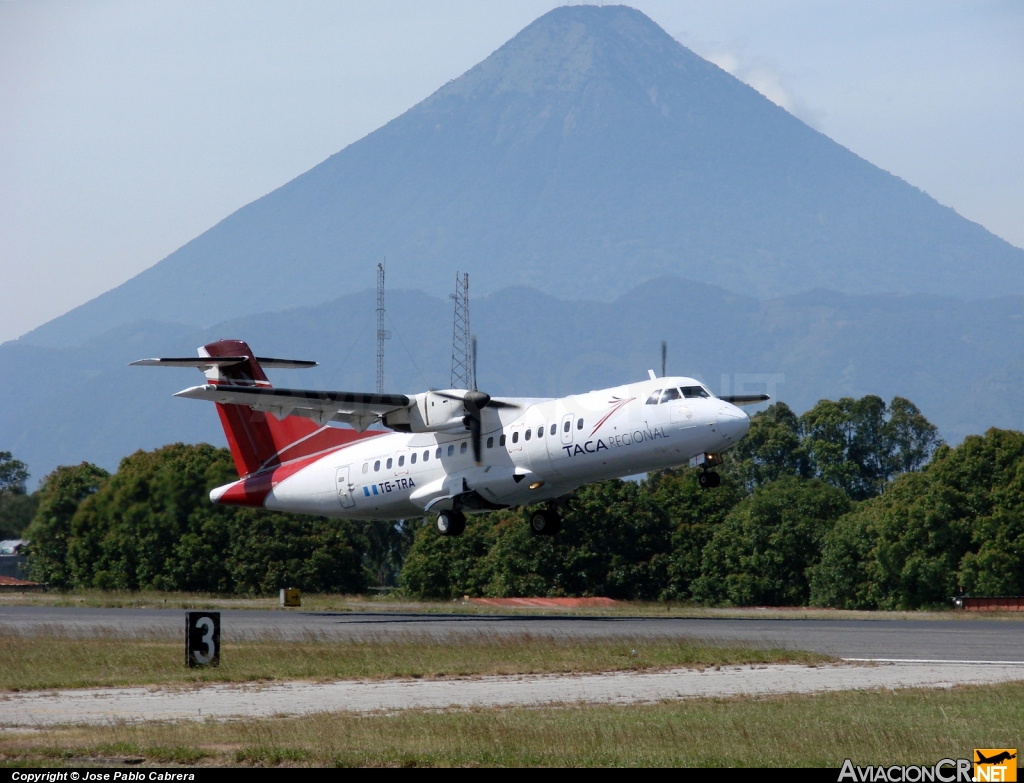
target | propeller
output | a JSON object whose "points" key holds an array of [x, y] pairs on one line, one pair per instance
{"points": [[664, 357], [474, 402]]}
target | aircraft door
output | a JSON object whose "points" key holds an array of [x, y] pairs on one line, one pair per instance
{"points": [[565, 428], [344, 487], [402, 462]]}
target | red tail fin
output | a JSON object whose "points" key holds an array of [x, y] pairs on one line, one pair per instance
{"points": [[259, 441]]}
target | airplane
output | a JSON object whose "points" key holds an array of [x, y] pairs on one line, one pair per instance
{"points": [[996, 759], [447, 452]]}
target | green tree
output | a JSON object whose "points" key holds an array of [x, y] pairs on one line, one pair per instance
{"points": [[693, 514], [17, 507], [771, 449], [268, 551], [615, 541], [763, 551], [13, 474], [152, 526], [386, 545], [50, 530], [860, 445], [957, 523], [443, 567]]}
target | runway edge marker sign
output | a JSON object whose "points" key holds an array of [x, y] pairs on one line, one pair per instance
{"points": [[202, 639]]}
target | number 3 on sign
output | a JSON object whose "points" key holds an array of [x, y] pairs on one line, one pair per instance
{"points": [[202, 639]]}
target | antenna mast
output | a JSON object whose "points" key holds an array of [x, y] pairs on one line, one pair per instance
{"points": [[382, 333], [462, 367]]}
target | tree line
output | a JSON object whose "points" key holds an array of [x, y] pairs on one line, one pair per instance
{"points": [[854, 504]]}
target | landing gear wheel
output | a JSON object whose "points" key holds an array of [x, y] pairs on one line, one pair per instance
{"points": [[545, 522], [708, 480], [450, 523]]}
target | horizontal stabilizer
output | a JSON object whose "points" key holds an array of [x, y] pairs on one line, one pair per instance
{"points": [[224, 361], [745, 399]]}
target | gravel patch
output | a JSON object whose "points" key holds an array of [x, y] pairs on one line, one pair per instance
{"points": [[232, 701]]}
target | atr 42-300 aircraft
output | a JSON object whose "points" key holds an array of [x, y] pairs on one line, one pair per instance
{"points": [[451, 451]]}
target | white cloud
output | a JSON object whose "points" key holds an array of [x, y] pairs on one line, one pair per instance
{"points": [[758, 72]]}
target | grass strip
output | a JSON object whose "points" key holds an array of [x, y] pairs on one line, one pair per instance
{"points": [[912, 727], [61, 660], [153, 599]]}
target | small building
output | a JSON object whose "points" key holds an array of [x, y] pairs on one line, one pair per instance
{"points": [[13, 560], [12, 546]]}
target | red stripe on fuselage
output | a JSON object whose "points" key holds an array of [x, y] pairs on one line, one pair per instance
{"points": [[252, 491]]}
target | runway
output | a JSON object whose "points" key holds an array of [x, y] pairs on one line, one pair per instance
{"points": [[889, 639]]}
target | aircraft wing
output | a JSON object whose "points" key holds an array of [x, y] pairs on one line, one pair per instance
{"points": [[205, 362], [355, 408]]}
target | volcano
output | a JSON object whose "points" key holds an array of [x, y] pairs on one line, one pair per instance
{"points": [[590, 153]]}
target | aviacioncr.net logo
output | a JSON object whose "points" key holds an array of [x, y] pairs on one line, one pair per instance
{"points": [[944, 771]]}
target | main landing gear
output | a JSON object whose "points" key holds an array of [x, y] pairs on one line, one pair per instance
{"points": [[545, 522], [708, 479], [450, 523]]}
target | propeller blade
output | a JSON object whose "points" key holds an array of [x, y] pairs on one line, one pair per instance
{"points": [[664, 357], [474, 432], [473, 379], [501, 404]]}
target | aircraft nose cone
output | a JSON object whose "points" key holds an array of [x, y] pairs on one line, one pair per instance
{"points": [[732, 422]]}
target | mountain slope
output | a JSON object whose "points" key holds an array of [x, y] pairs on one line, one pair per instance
{"points": [[588, 154]]}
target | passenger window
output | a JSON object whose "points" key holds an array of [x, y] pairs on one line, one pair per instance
{"points": [[376, 466], [501, 440], [366, 467], [389, 463], [653, 399], [670, 394], [554, 428], [515, 436], [490, 443], [579, 424], [438, 454], [695, 391], [412, 459], [565, 427], [540, 431], [451, 450], [529, 433], [401, 461], [426, 455], [462, 448]]}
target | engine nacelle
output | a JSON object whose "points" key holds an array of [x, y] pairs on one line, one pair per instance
{"points": [[429, 412]]}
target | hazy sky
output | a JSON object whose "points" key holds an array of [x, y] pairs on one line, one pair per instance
{"points": [[128, 128]]}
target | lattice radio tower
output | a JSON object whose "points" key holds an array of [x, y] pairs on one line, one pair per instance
{"points": [[462, 366], [382, 333]]}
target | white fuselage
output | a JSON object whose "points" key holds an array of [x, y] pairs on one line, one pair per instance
{"points": [[539, 451]]}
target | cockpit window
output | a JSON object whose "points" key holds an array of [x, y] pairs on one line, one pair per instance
{"points": [[695, 391], [653, 399], [670, 394]]}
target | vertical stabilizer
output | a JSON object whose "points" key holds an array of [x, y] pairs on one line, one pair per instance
{"points": [[258, 440]]}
